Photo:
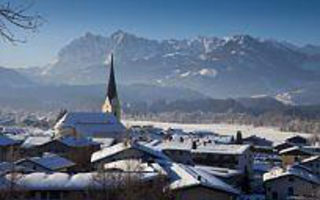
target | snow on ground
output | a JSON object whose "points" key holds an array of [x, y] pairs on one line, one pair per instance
{"points": [[270, 133]]}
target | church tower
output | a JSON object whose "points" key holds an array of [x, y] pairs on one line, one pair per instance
{"points": [[112, 103]]}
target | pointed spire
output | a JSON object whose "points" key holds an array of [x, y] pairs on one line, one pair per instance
{"points": [[112, 103]]}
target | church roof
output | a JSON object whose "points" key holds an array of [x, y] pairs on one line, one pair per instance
{"points": [[91, 124]]}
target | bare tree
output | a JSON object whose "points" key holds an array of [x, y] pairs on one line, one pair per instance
{"points": [[17, 18]]}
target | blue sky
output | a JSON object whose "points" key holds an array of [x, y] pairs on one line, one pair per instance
{"points": [[296, 21]]}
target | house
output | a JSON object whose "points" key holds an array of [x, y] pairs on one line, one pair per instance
{"points": [[297, 140], [293, 155], [202, 152], [284, 184], [9, 148], [77, 149], [231, 176], [178, 151], [124, 151], [189, 183], [90, 124], [185, 182], [254, 140], [47, 163], [281, 146], [226, 156], [31, 146], [312, 163]]}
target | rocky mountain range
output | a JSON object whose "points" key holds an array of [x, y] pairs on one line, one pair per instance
{"points": [[231, 67], [237, 66]]}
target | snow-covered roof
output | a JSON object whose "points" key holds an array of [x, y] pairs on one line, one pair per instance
{"points": [[295, 148], [6, 141], [229, 149], [33, 141], [151, 151], [79, 181], [104, 142], [50, 161], [222, 149], [109, 151], [92, 124], [183, 176], [134, 165], [77, 141], [292, 171], [117, 148], [310, 159], [219, 171], [256, 140]]}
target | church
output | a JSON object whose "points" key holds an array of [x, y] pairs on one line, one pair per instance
{"points": [[104, 124]]}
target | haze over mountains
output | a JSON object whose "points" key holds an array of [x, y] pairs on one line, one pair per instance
{"points": [[233, 67]]}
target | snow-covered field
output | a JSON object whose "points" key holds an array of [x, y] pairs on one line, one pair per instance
{"points": [[270, 133]]}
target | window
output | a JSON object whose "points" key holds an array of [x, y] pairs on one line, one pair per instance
{"points": [[290, 191]]}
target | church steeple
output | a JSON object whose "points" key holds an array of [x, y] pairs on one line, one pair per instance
{"points": [[112, 103]]}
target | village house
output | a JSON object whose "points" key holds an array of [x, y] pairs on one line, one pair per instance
{"points": [[32, 145], [254, 140], [291, 142], [47, 163], [77, 149], [313, 163], [226, 156], [294, 155], [184, 181], [9, 149], [203, 152], [189, 183], [283, 145], [297, 140], [230, 176], [124, 151], [299, 183], [178, 151]]}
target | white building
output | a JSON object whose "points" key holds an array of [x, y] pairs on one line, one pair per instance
{"points": [[90, 124], [294, 182]]}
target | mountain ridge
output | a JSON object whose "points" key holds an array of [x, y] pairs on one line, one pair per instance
{"points": [[229, 67]]}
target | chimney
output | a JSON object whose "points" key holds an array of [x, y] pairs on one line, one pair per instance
{"points": [[199, 178]]}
